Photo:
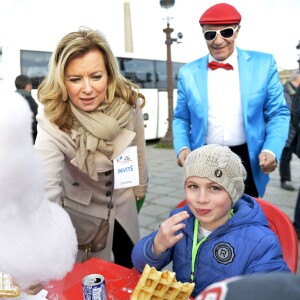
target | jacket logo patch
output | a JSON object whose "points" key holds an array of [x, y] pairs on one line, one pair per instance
{"points": [[223, 253]]}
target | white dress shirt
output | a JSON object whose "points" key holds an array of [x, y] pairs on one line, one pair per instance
{"points": [[225, 120]]}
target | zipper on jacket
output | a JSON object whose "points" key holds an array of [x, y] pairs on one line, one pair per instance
{"points": [[196, 245]]}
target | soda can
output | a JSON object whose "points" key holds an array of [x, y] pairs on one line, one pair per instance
{"points": [[93, 287]]}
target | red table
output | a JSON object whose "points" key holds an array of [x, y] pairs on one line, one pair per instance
{"points": [[119, 281]]}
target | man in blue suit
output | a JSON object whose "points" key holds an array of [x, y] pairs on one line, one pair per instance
{"points": [[232, 97]]}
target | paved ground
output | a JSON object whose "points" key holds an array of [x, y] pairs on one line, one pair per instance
{"points": [[165, 189]]}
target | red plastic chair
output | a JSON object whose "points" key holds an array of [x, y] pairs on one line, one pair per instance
{"points": [[281, 224]]}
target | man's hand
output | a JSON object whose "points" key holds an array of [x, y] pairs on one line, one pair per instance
{"points": [[166, 236], [183, 154], [267, 162]]}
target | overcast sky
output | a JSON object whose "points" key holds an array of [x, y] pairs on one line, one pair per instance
{"points": [[267, 25]]}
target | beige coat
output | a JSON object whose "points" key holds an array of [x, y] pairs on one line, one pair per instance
{"points": [[87, 200]]}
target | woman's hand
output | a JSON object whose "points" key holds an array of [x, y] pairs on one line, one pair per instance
{"points": [[166, 236], [34, 289]]}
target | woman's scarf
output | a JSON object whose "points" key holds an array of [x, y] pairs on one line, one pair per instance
{"points": [[96, 131]]}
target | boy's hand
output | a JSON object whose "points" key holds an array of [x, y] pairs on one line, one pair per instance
{"points": [[166, 236]]}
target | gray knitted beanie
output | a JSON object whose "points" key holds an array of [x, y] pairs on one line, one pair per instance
{"points": [[219, 164]]}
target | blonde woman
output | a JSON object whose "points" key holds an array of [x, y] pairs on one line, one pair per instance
{"points": [[91, 115]]}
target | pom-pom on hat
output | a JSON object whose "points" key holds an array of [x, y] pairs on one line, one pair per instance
{"points": [[219, 164], [219, 14]]}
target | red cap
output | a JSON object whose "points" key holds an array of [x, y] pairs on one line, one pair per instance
{"points": [[221, 13]]}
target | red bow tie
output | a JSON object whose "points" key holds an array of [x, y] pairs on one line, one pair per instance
{"points": [[215, 65]]}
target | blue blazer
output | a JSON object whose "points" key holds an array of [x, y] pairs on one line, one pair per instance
{"points": [[265, 113]]}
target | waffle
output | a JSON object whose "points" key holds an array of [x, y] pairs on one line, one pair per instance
{"points": [[156, 285], [7, 287]]}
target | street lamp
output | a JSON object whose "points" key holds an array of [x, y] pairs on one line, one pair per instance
{"points": [[167, 3], [168, 139], [298, 48]]}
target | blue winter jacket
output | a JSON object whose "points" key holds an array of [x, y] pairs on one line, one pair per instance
{"points": [[243, 245]]}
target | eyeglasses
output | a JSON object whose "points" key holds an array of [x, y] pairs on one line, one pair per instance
{"points": [[226, 33]]}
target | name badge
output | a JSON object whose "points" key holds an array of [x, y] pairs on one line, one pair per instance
{"points": [[126, 171]]}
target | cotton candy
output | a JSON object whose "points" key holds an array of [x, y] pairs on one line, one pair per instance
{"points": [[38, 240]]}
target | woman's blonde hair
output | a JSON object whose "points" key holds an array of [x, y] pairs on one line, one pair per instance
{"points": [[52, 92]]}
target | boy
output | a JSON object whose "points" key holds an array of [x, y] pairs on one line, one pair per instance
{"points": [[220, 233]]}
